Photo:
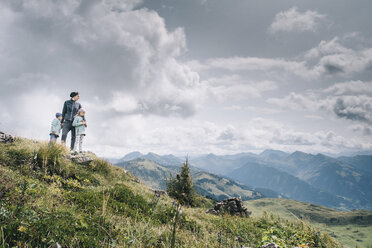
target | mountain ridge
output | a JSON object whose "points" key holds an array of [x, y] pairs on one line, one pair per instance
{"points": [[346, 178], [208, 184]]}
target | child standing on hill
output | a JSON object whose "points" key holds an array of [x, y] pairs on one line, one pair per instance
{"points": [[55, 129], [80, 124]]}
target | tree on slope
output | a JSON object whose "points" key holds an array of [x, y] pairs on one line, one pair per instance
{"points": [[181, 187]]}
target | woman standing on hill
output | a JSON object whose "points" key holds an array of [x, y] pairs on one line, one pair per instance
{"points": [[70, 109]]}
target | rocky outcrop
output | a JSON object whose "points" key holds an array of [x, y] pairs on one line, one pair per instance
{"points": [[82, 158], [270, 245], [6, 138], [233, 206]]}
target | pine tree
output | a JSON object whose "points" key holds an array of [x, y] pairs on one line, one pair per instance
{"points": [[181, 187]]}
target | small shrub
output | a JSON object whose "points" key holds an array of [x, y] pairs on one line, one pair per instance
{"points": [[124, 200], [8, 186], [88, 201], [49, 158], [166, 214], [203, 202], [100, 166], [16, 154], [84, 177]]}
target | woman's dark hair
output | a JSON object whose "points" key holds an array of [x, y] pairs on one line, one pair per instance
{"points": [[72, 94]]}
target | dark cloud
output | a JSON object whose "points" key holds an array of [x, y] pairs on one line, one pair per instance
{"points": [[365, 129], [352, 111], [333, 69], [293, 140], [227, 135]]}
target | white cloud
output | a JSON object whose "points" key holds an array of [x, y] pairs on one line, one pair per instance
{"points": [[314, 117], [268, 65], [351, 87], [228, 87], [328, 58], [294, 20], [255, 109], [233, 107], [181, 137], [122, 60], [365, 130], [327, 47], [104, 48], [347, 100], [335, 58], [296, 101]]}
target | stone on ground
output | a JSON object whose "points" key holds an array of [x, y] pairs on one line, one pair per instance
{"points": [[6, 138], [233, 206], [81, 158]]}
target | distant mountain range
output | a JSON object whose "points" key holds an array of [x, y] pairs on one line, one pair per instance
{"points": [[343, 183], [208, 184], [160, 159]]}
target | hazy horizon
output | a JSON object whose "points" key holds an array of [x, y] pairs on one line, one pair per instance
{"points": [[192, 76], [194, 155]]}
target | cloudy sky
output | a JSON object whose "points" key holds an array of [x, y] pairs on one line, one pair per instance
{"points": [[192, 76]]}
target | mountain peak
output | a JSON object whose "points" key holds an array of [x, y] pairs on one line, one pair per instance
{"points": [[271, 153], [320, 155], [211, 155], [131, 156], [296, 153], [299, 154]]}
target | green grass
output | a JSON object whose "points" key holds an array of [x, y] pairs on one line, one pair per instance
{"points": [[46, 198], [352, 228]]}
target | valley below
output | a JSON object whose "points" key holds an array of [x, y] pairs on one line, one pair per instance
{"points": [[280, 184]]}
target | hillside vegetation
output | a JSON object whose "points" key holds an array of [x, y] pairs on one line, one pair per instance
{"points": [[352, 228], [47, 199]]}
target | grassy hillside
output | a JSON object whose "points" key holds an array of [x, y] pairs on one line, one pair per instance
{"points": [[352, 228], [213, 186], [46, 198]]}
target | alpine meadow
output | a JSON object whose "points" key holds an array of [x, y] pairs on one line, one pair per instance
{"points": [[185, 123]]}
